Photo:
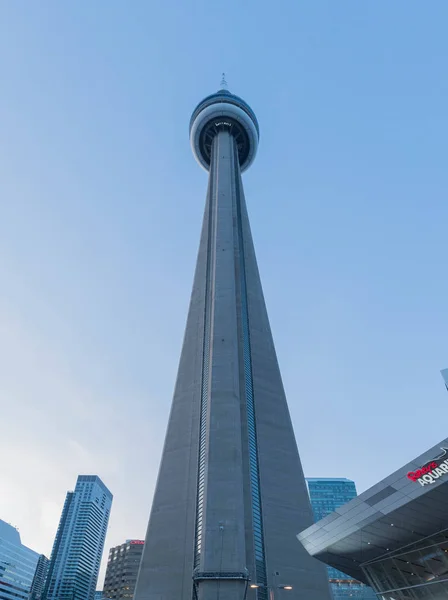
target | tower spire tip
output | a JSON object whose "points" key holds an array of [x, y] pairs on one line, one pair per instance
{"points": [[224, 85]]}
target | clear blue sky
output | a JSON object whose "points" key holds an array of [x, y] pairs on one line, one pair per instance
{"points": [[100, 212]]}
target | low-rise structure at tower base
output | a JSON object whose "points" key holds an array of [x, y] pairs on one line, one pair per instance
{"points": [[394, 536]]}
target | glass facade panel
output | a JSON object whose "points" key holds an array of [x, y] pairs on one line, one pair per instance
{"points": [[352, 589], [327, 495], [17, 565], [417, 571]]}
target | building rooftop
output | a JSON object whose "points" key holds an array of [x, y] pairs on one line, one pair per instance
{"points": [[9, 533], [94, 479], [343, 479]]}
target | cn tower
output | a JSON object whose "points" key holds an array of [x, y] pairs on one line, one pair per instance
{"points": [[230, 496]]}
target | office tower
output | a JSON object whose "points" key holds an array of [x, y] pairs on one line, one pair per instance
{"points": [[231, 495], [445, 377], [327, 495], [78, 546], [99, 595], [122, 570], [17, 565], [40, 576]]}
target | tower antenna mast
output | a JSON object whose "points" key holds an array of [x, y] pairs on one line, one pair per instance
{"points": [[224, 85]]}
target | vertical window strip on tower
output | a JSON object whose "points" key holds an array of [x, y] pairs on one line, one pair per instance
{"points": [[204, 398], [257, 518]]}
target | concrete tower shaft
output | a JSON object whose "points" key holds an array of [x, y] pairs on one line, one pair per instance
{"points": [[230, 495]]}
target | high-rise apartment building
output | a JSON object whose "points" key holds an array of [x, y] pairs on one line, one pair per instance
{"points": [[40, 576], [78, 546], [17, 566], [327, 495], [231, 495], [122, 570]]}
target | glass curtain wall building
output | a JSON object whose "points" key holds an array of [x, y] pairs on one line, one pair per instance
{"points": [[327, 495], [17, 565], [78, 546], [122, 570]]}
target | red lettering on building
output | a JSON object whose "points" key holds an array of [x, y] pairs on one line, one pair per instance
{"points": [[414, 475]]}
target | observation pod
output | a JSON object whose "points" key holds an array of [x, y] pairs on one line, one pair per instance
{"points": [[224, 111]]}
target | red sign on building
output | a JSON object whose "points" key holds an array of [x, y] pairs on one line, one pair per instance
{"points": [[432, 470]]}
